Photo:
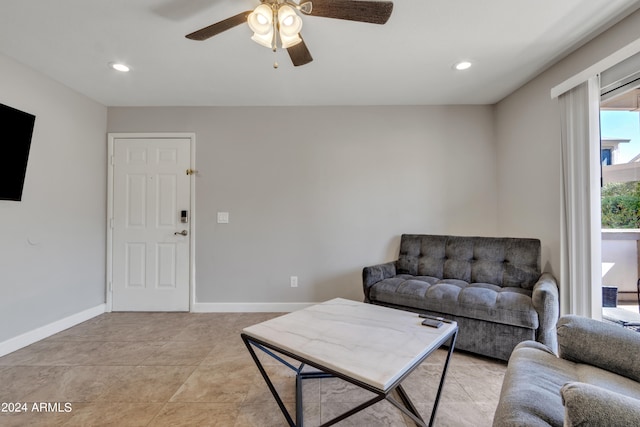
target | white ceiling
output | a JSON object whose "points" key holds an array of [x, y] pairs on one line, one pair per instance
{"points": [[408, 61]]}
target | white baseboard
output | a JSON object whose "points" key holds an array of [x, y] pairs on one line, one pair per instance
{"points": [[249, 307], [28, 338]]}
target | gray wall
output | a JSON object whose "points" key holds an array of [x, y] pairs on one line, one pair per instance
{"points": [[320, 192], [528, 145], [53, 241]]}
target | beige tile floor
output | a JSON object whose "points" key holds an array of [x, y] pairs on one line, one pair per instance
{"points": [[186, 369]]}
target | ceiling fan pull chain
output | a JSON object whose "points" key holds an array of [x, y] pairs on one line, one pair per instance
{"points": [[275, 63]]}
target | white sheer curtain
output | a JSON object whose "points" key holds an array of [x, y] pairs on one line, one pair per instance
{"points": [[581, 267]]}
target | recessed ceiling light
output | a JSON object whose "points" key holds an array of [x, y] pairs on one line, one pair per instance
{"points": [[462, 65], [119, 67]]}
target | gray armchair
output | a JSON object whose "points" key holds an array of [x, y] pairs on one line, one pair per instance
{"points": [[595, 381]]}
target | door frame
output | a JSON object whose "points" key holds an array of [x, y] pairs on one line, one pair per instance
{"points": [[111, 137]]}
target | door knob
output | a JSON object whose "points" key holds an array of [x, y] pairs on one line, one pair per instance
{"points": [[180, 233]]}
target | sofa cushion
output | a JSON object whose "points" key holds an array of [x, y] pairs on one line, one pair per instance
{"points": [[500, 261], [600, 344], [484, 301], [589, 405]]}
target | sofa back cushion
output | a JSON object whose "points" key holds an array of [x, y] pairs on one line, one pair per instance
{"points": [[501, 261]]}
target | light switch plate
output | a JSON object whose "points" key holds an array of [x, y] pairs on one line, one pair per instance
{"points": [[223, 217]]}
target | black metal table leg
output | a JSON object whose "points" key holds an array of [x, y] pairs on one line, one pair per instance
{"points": [[407, 407], [272, 388], [444, 373]]}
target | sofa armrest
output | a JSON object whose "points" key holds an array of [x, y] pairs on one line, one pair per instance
{"points": [[547, 303], [604, 345], [589, 405], [376, 273]]}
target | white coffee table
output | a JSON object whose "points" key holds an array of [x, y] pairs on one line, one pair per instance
{"points": [[371, 346]]}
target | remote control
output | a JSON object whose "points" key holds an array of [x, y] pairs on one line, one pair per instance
{"points": [[428, 316], [432, 323]]}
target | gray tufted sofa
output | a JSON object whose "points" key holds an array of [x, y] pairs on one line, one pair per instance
{"points": [[491, 286]]}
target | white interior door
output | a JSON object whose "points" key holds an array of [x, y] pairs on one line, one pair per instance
{"points": [[150, 241]]}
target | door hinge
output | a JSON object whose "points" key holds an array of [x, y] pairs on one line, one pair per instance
{"points": [[192, 171], [110, 286], [112, 160]]}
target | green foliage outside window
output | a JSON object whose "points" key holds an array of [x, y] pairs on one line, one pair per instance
{"points": [[621, 205]]}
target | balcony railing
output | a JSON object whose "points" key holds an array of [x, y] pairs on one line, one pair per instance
{"points": [[620, 265]]}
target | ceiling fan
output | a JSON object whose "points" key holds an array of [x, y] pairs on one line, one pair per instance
{"points": [[278, 19]]}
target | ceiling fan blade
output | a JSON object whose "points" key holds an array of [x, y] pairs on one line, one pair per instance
{"points": [[218, 27], [374, 12], [299, 54]]}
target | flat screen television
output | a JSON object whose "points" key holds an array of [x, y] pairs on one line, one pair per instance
{"points": [[16, 129]]}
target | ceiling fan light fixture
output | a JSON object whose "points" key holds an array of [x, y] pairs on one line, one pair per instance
{"points": [[289, 24], [261, 23], [288, 42], [265, 40], [261, 19]]}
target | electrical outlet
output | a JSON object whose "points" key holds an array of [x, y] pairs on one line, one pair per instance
{"points": [[294, 281]]}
